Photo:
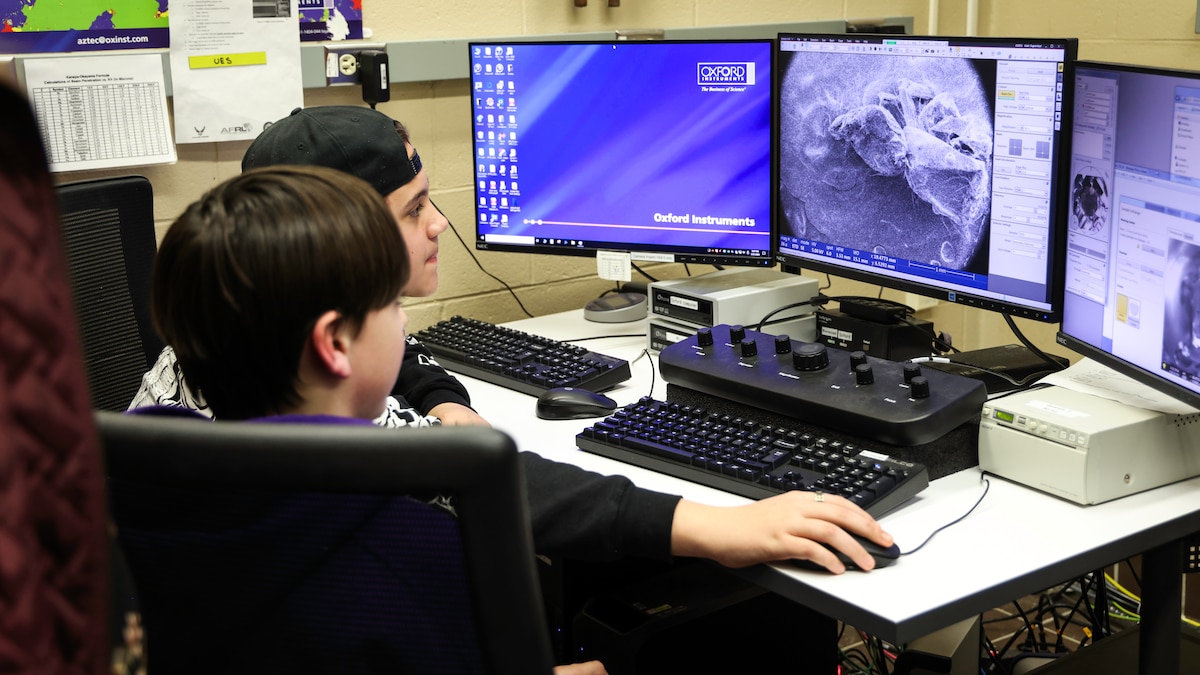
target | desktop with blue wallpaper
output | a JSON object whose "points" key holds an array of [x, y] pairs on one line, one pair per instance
{"points": [[633, 146]]}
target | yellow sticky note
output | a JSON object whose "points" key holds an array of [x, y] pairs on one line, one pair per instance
{"points": [[227, 60]]}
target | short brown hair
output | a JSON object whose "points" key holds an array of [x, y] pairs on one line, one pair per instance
{"points": [[242, 276]]}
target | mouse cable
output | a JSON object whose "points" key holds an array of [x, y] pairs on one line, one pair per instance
{"points": [[986, 486]]}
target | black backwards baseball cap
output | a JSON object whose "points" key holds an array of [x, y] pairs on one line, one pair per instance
{"points": [[359, 141]]}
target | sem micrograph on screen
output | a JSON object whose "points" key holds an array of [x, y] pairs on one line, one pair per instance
{"points": [[902, 142]]}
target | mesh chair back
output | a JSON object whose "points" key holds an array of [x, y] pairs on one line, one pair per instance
{"points": [[108, 229]]}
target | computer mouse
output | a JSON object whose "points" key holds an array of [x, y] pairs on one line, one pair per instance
{"points": [[884, 556], [573, 403]]}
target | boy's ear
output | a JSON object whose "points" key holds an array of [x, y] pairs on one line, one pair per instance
{"points": [[330, 344]]}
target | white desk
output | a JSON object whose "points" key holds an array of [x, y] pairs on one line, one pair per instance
{"points": [[1017, 542]]}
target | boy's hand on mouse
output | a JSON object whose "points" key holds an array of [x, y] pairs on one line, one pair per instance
{"points": [[457, 415], [788, 526]]}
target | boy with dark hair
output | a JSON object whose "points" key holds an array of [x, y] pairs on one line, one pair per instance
{"points": [[375, 148], [279, 289], [268, 314]]}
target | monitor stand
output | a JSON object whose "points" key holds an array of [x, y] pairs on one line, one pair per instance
{"points": [[620, 307]]}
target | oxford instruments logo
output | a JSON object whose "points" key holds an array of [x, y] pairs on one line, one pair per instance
{"points": [[739, 74]]}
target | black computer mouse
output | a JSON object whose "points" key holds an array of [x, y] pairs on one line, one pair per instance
{"points": [[572, 403], [884, 556]]}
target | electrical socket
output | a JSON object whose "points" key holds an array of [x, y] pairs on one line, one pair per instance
{"points": [[341, 61]]}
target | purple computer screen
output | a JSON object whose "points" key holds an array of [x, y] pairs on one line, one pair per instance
{"points": [[634, 146]]}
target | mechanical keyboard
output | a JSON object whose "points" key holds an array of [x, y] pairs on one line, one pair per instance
{"points": [[520, 361], [746, 458]]}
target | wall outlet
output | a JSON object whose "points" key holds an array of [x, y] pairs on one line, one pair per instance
{"points": [[348, 64], [341, 61]]}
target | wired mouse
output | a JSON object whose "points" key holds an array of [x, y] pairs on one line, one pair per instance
{"points": [[884, 556], [572, 403]]}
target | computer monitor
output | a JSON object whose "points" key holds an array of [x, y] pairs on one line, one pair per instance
{"points": [[934, 165], [1132, 298], [657, 148]]}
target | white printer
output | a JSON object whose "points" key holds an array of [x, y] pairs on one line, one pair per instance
{"points": [[1085, 448]]}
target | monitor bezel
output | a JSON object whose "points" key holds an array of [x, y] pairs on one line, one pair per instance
{"points": [[1093, 352], [640, 253], [791, 262]]}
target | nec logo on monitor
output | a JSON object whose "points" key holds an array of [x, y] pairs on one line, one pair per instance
{"points": [[725, 73]]}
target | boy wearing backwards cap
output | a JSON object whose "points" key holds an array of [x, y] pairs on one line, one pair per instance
{"points": [[279, 290], [375, 148], [574, 513]]}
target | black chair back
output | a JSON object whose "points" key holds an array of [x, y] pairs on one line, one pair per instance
{"points": [[108, 229], [287, 548]]}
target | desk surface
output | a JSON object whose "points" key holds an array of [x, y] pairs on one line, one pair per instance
{"points": [[1016, 542]]}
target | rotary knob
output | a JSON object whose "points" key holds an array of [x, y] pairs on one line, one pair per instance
{"points": [[911, 370], [749, 347], [857, 358], [863, 374], [737, 333], [783, 344], [810, 356], [919, 387], [704, 337]]}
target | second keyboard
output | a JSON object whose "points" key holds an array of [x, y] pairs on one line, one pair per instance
{"points": [[749, 459], [520, 361]]}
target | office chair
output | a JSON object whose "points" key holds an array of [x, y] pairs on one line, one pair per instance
{"points": [[284, 548], [108, 227], [53, 583]]}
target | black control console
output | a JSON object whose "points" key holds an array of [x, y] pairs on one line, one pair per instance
{"points": [[886, 401]]}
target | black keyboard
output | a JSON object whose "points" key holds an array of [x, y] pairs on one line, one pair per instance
{"points": [[743, 457], [524, 362]]}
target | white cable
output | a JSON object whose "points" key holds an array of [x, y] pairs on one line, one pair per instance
{"points": [[929, 359]]}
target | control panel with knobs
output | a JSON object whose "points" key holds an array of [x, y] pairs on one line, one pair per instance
{"points": [[887, 401]]}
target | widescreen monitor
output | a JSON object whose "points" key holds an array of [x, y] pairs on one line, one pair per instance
{"points": [[933, 165], [657, 148], [1132, 297]]}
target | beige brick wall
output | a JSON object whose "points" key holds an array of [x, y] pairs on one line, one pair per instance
{"points": [[1158, 33]]}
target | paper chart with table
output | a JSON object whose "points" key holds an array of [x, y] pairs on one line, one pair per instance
{"points": [[101, 112]]}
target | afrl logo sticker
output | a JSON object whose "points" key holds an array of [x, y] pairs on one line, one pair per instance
{"points": [[725, 73]]}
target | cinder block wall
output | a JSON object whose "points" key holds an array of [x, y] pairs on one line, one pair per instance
{"points": [[438, 115]]}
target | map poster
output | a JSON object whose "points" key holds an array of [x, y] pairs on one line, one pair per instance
{"points": [[330, 20], [28, 26]]}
